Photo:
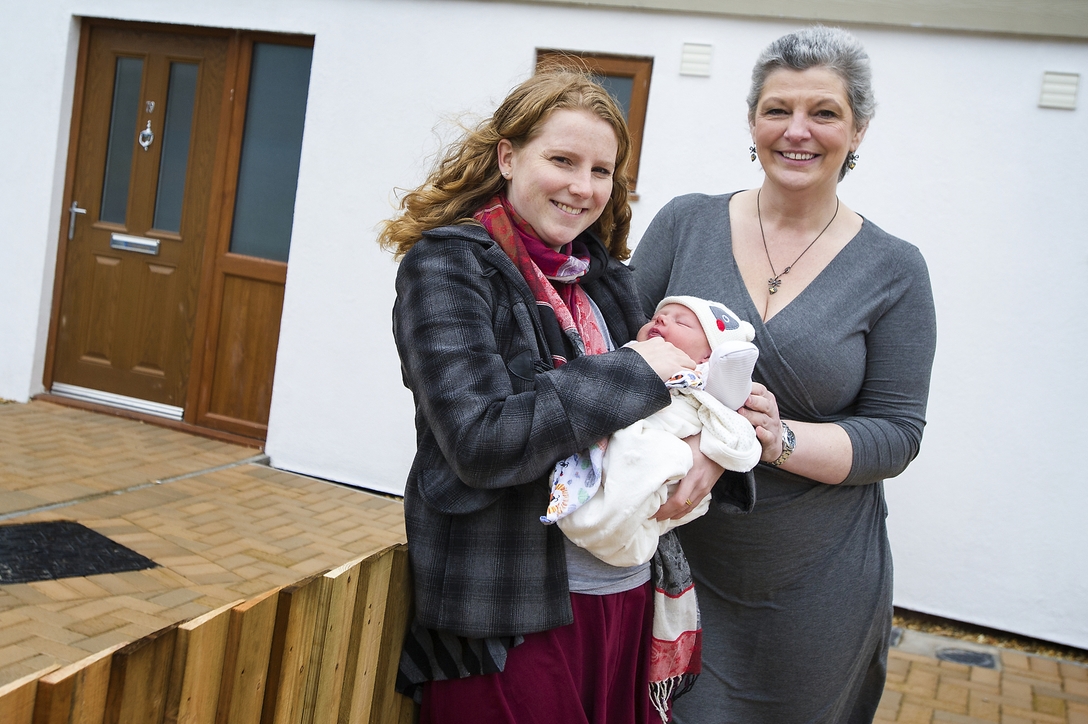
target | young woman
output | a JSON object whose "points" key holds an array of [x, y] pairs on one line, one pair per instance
{"points": [[512, 305]]}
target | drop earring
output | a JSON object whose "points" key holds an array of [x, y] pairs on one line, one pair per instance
{"points": [[752, 150], [852, 160]]}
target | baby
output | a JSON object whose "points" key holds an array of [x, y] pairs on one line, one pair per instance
{"points": [[604, 498]]}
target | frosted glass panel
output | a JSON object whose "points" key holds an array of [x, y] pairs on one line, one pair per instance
{"points": [[619, 88], [175, 146], [264, 206], [126, 107]]}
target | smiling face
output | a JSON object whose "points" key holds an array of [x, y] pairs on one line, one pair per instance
{"points": [[803, 127], [561, 180], [679, 326]]}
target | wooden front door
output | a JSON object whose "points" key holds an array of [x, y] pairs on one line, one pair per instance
{"points": [[182, 169], [148, 127]]}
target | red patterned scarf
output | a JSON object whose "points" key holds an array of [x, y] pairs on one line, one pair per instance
{"points": [[552, 276]]}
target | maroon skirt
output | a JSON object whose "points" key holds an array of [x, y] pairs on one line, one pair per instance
{"points": [[594, 671]]}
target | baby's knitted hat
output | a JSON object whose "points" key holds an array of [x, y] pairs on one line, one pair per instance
{"points": [[719, 322]]}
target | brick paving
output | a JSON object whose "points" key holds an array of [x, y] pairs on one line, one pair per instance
{"points": [[223, 526], [1022, 689]]}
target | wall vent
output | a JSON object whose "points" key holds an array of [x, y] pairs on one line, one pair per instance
{"points": [[1059, 90], [695, 59]]}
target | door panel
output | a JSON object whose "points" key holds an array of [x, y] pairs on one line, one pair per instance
{"points": [[105, 291], [241, 389], [126, 318]]}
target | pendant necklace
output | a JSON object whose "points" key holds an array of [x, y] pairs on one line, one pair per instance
{"points": [[776, 281]]}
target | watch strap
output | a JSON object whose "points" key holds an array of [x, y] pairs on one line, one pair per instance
{"points": [[788, 443]]}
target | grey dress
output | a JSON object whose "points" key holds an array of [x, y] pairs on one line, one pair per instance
{"points": [[796, 596]]}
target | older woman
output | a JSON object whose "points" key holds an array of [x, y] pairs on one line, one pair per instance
{"points": [[512, 304], [797, 595]]}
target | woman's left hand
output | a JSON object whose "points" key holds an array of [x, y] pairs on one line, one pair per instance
{"points": [[694, 486], [761, 409]]}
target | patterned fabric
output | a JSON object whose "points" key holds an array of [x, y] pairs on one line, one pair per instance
{"points": [[574, 481], [685, 379], [676, 648], [552, 276]]}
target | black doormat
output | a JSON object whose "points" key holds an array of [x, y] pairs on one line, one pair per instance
{"points": [[61, 549]]}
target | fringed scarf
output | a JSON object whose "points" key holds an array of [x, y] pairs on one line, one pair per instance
{"points": [[552, 276], [676, 648]]}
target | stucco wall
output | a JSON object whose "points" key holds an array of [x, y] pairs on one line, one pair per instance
{"points": [[986, 525]]}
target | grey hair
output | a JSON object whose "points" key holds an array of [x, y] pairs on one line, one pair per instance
{"points": [[820, 47]]}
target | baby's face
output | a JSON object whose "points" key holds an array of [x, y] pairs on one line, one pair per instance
{"points": [[679, 326]]}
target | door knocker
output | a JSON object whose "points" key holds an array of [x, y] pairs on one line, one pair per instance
{"points": [[146, 136]]}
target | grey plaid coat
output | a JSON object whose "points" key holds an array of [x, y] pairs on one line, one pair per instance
{"points": [[492, 418]]}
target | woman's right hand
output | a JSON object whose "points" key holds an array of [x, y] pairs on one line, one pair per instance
{"points": [[761, 409], [665, 359]]}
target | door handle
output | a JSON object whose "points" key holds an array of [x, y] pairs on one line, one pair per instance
{"points": [[72, 211]]}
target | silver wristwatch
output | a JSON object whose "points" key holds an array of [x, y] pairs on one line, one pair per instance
{"points": [[788, 443]]}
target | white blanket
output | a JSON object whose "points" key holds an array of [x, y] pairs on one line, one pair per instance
{"points": [[642, 464]]}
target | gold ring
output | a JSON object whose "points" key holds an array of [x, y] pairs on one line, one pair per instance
{"points": [[688, 502]]}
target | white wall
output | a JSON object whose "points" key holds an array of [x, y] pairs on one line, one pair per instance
{"points": [[959, 160], [988, 526], [34, 118]]}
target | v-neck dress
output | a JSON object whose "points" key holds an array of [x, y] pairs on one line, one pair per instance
{"points": [[796, 596]]}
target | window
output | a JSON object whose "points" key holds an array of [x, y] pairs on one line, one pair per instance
{"points": [[627, 78], [264, 204]]}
